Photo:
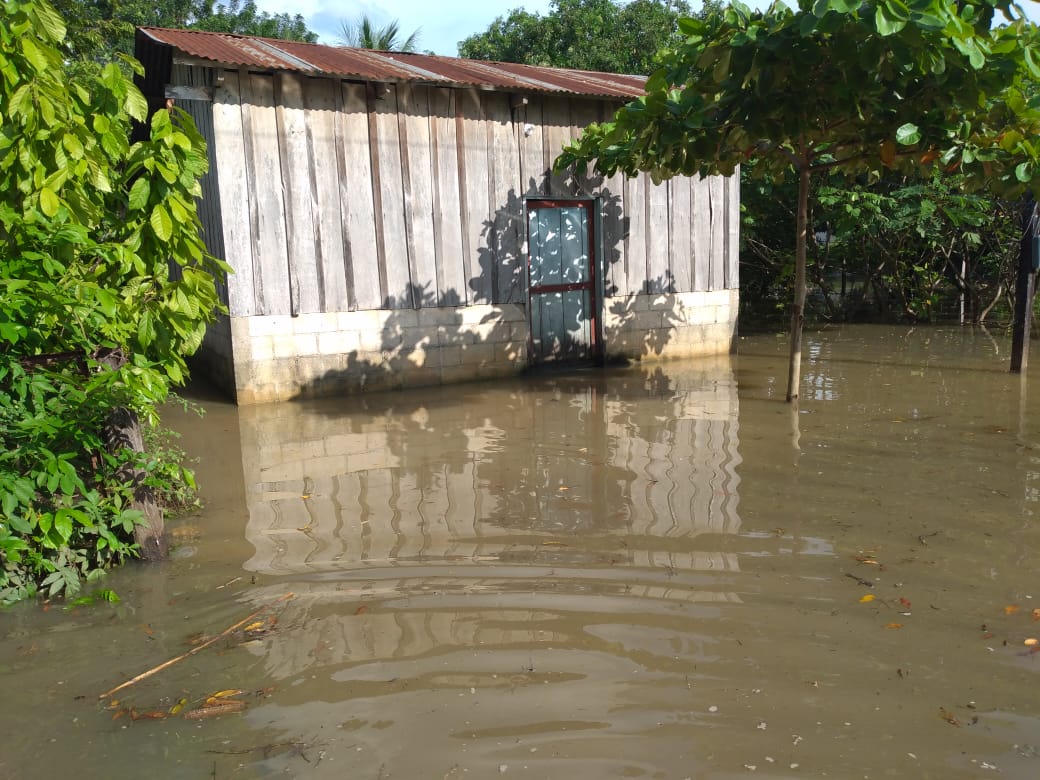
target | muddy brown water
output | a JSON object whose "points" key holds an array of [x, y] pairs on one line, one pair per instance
{"points": [[659, 571]]}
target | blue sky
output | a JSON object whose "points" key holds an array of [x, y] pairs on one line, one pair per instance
{"points": [[443, 23]]}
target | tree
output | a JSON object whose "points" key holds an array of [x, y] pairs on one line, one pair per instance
{"points": [[364, 34], [840, 86], [599, 35], [98, 30], [243, 18], [105, 288]]}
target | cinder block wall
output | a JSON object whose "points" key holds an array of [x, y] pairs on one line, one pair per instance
{"points": [[276, 358], [280, 357], [670, 325]]}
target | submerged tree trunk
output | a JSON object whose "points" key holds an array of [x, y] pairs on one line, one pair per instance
{"points": [[1024, 290], [798, 308], [123, 431]]}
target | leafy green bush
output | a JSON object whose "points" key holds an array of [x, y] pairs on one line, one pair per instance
{"points": [[105, 288]]}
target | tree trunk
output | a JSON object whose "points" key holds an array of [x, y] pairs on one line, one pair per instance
{"points": [[798, 308], [123, 431], [1024, 289]]}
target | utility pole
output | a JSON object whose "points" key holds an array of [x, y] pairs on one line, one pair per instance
{"points": [[1025, 287]]}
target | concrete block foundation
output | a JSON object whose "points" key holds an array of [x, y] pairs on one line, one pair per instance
{"points": [[275, 358]]}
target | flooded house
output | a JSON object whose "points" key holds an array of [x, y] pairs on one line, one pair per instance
{"points": [[392, 220]]}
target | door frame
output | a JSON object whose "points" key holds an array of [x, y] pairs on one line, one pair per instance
{"points": [[592, 284]]}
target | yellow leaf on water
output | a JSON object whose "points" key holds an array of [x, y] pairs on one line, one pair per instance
{"points": [[868, 597], [254, 626], [1032, 641], [894, 625], [229, 692], [178, 706], [1011, 609]]}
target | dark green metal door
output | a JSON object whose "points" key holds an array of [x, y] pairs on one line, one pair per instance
{"points": [[562, 303]]}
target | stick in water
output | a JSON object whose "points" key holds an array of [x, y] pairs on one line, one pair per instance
{"points": [[203, 646]]}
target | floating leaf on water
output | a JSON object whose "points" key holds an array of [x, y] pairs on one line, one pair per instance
{"points": [[361, 610], [867, 559], [228, 692], [868, 597], [904, 602], [894, 625], [178, 706], [1032, 641], [948, 716], [254, 626], [1011, 609]]}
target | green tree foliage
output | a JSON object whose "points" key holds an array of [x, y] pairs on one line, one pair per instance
{"points": [[105, 288], [363, 33], [900, 248], [599, 35], [98, 30], [842, 86], [243, 18]]}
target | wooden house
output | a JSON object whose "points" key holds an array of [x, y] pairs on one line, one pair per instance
{"points": [[392, 220]]}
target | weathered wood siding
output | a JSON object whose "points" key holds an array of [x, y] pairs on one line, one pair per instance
{"points": [[339, 196]]}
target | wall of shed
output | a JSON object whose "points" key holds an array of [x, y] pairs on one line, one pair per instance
{"points": [[378, 208]]}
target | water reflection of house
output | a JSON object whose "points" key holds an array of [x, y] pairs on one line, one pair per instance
{"points": [[478, 514]]}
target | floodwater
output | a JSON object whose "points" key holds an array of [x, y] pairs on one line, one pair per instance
{"points": [[660, 571]]}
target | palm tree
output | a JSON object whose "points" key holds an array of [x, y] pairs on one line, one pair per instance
{"points": [[363, 34]]}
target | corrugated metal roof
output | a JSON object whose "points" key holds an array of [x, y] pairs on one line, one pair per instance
{"points": [[318, 60]]}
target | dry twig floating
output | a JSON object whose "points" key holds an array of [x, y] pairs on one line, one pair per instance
{"points": [[203, 646]]}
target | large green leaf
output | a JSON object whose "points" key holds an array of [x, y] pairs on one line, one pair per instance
{"points": [[49, 202], [139, 193], [908, 134], [161, 222]]}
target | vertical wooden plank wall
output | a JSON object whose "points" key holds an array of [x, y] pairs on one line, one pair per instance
{"points": [[701, 234], [635, 241], [357, 202], [447, 227], [386, 145], [418, 176], [233, 204], [303, 238], [265, 194], [337, 196], [533, 166], [473, 180], [657, 244], [717, 191], [321, 101], [507, 213], [680, 203]]}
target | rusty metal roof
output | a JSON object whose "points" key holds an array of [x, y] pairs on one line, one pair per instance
{"points": [[314, 59]]}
